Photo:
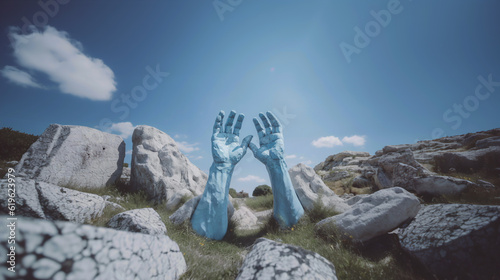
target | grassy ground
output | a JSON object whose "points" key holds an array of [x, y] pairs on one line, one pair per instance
{"points": [[260, 203], [209, 259]]}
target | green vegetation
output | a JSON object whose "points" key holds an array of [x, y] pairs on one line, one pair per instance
{"points": [[262, 190], [14, 143], [233, 193], [125, 164], [209, 259], [260, 203]]}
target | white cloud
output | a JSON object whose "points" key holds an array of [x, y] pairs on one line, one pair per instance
{"points": [[129, 152], [19, 77], [124, 129], [328, 141], [56, 55], [290, 156], [251, 178], [307, 162], [180, 136], [187, 147], [355, 140]]}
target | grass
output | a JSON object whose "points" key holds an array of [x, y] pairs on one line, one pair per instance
{"points": [[209, 259], [260, 203]]}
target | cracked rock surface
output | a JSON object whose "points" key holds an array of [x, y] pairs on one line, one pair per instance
{"points": [[144, 220], [456, 240], [272, 260], [373, 215], [63, 250], [76, 155], [161, 170], [43, 200]]}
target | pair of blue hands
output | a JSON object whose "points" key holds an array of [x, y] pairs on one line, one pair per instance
{"points": [[210, 217]]}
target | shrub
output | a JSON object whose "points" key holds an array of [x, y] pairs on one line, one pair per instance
{"points": [[262, 190], [14, 143], [233, 193], [125, 164]]}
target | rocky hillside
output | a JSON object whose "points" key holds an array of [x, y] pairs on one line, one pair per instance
{"points": [[419, 211], [451, 166]]}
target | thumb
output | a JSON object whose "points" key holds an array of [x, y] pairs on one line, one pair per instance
{"points": [[254, 148], [244, 144]]}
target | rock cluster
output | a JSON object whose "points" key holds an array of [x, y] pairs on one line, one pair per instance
{"points": [[312, 190], [413, 166], [161, 170], [272, 260], [63, 250]]}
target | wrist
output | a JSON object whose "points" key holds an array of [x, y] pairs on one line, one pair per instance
{"points": [[276, 166], [223, 166]]}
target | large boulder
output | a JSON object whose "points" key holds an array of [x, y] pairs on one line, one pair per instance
{"points": [[63, 250], [372, 215], [456, 240], [311, 189], [161, 170], [144, 220], [47, 201], [74, 155], [273, 260], [185, 212]]}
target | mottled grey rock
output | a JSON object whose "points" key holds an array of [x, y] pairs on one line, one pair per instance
{"points": [[469, 161], [145, 220], [47, 201], [161, 170], [488, 142], [74, 155], [185, 212], [400, 169], [63, 250], [272, 260], [244, 219], [456, 240], [26, 198], [373, 215], [310, 189], [353, 200], [65, 204], [341, 159]]}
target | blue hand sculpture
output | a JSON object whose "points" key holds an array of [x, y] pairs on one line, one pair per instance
{"points": [[287, 207], [210, 217]]}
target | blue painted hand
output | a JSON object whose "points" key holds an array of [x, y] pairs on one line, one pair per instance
{"points": [[287, 207], [226, 148], [210, 217]]}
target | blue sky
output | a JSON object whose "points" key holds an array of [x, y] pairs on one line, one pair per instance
{"points": [[340, 75]]}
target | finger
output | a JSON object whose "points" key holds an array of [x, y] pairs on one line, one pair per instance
{"points": [[229, 122], [266, 123], [238, 125], [218, 122], [260, 131], [275, 122], [245, 142], [254, 148]]}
